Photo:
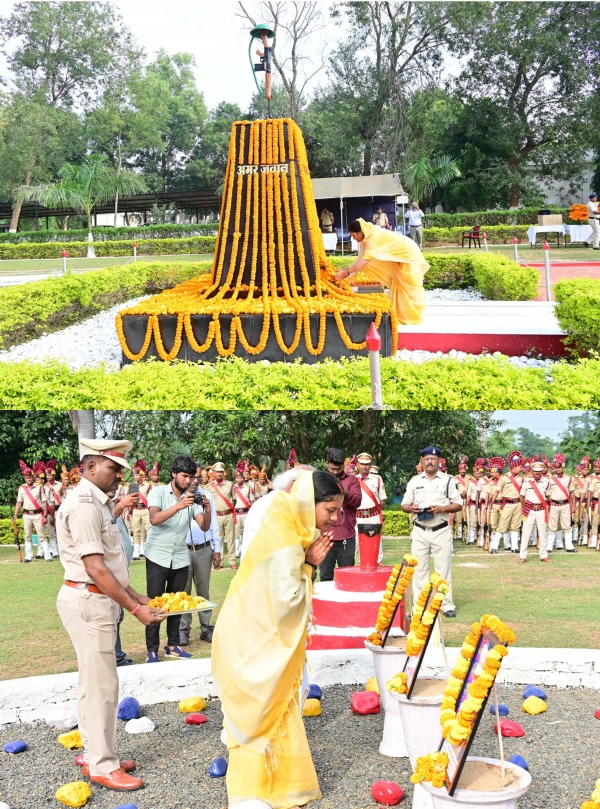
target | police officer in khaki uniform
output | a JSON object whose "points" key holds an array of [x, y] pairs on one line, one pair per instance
{"points": [[462, 479], [535, 509], [140, 516], [244, 497], [432, 496], [30, 497], [222, 491], [96, 584], [592, 504], [560, 495], [373, 494], [507, 489], [496, 467], [53, 492]]}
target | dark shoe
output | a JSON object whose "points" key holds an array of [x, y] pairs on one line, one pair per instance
{"points": [[27, 560], [176, 651], [118, 780], [449, 614], [573, 550], [125, 662], [152, 657], [493, 551], [206, 635], [126, 766], [183, 641]]}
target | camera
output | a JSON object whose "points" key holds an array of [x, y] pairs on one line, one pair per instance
{"points": [[198, 498]]}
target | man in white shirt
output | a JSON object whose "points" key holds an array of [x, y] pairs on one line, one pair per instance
{"points": [[204, 548], [415, 220], [534, 493], [380, 218], [594, 219]]}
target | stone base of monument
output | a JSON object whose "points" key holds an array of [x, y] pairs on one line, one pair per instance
{"points": [[357, 326], [481, 786]]}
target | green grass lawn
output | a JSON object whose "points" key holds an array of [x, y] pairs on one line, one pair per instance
{"points": [[547, 605], [54, 265], [527, 253]]}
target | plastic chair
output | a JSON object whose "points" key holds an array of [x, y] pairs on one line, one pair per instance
{"points": [[472, 235]]}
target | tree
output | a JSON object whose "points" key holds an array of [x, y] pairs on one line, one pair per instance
{"points": [[83, 187], [427, 174], [206, 165], [537, 63], [31, 436], [295, 25], [582, 437]]}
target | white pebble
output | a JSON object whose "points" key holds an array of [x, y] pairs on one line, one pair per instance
{"points": [[61, 719], [4, 805], [142, 725], [469, 294]]}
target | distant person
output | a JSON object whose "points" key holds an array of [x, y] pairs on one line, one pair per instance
{"points": [[380, 219], [415, 221], [326, 221], [594, 219], [396, 262]]}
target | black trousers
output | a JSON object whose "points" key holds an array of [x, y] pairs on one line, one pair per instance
{"points": [[342, 552], [161, 580]]}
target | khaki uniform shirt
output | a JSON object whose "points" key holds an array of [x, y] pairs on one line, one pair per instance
{"points": [[506, 488], [592, 209], [375, 484], [85, 525], [437, 491], [145, 489], [462, 483], [554, 491], [226, 489], [528, 492], [54, 494], [474, 488], [261, 489], [246, 491], [37, 492]]}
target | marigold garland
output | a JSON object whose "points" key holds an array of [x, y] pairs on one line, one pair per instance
{"points": [[594, 803], [272, 206], [392, 597], [422, 619], [431, 767]]}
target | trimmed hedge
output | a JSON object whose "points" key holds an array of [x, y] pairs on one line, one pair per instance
{"points": [[520, 216], [578, 312], [103, 234], [487, 383], [497, 277], [396, 523], [29, 310], [147, 247], [496, 234], [7, 536]]}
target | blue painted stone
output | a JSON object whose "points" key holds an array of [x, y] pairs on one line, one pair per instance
{"points": [[314, 692], [129, 708], [15, 747], [126, 806], [218, 768], [534, 691], [519, 761], [502, 710]]}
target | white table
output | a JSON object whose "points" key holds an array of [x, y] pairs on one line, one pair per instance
{"points": [[329, 241], [535, 229], [579, 233]]}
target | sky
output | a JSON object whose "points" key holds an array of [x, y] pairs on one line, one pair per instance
{"points": [[209, 30], [548, 423]]}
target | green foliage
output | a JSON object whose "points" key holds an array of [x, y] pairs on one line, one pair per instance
{"points": [[108, 234], [487, 383], [7, 536], [425, 175], [578, 311], [28, 310], [146, 247], [396, 523], [519, 216], [496, 234], [500, 442], [581, 438]]}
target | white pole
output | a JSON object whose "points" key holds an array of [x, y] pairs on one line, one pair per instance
{"points": [[516, 242], [342, 222], [547, 268], [135, 251], [484, 236], [373, 341], [64, 258], [497, 712]]}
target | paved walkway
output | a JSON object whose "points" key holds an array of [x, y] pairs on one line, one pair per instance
{"points": [[563, 269]]}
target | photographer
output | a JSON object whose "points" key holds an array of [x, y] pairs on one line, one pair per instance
{"points": [[172, 509], [432, 496], [415, 220], [204, 548]]}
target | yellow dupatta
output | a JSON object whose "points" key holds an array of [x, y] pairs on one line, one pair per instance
{"points": [[259, 642], [397, 263]]}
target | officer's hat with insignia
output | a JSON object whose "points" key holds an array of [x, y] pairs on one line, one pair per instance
{"points": [[431, 450], [218, 467], [115, 450], [364, 457]]}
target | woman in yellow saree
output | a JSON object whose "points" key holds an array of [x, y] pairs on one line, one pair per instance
{"points": [[259, 647], [396, 262]]}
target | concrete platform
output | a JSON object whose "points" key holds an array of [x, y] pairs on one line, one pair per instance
{"points": [[511, 327]]}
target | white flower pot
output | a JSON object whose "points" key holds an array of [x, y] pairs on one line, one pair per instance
{"points": [[421, 722], [388, 661], [477, 796]]}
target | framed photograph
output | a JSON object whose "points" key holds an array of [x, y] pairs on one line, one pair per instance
{"points": [[457, 754], [413, 664], [386, 632]]}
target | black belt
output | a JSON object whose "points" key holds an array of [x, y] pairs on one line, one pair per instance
{"points": [[140, 508], [435, 528], [559, 502], [37, 511], [511, 502], [242, 510], [198, 547]]}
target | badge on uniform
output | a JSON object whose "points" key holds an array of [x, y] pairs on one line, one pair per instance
{"points": [[86, 498]]}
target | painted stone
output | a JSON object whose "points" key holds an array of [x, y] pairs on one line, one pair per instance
{"points": [[502, 710], [4, 805], [192, 705], [126, 806], [534, 691], [70, 740], [15, 747], [218, 768], [195, 719], [372, 686], [365, 702], [75, 794], [387, 792], [597, 714], [509, 728], [312, 707], [519, 761], [314, 692], [534, 706], [142, 725], [61, 719], [129, 708]]}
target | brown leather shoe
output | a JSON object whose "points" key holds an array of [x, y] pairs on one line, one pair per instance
{"points": [[127, 766], [118, 780]]}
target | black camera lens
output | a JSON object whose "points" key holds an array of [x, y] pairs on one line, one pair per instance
{"points": [[198, 498]]}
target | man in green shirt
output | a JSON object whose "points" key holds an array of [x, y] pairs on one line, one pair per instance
{"points": [[172, 510]]}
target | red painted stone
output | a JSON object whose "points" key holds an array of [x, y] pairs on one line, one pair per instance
{"points": [[365, 702], [387, 792], [195, 719], [597, 714], [509, 728]]}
